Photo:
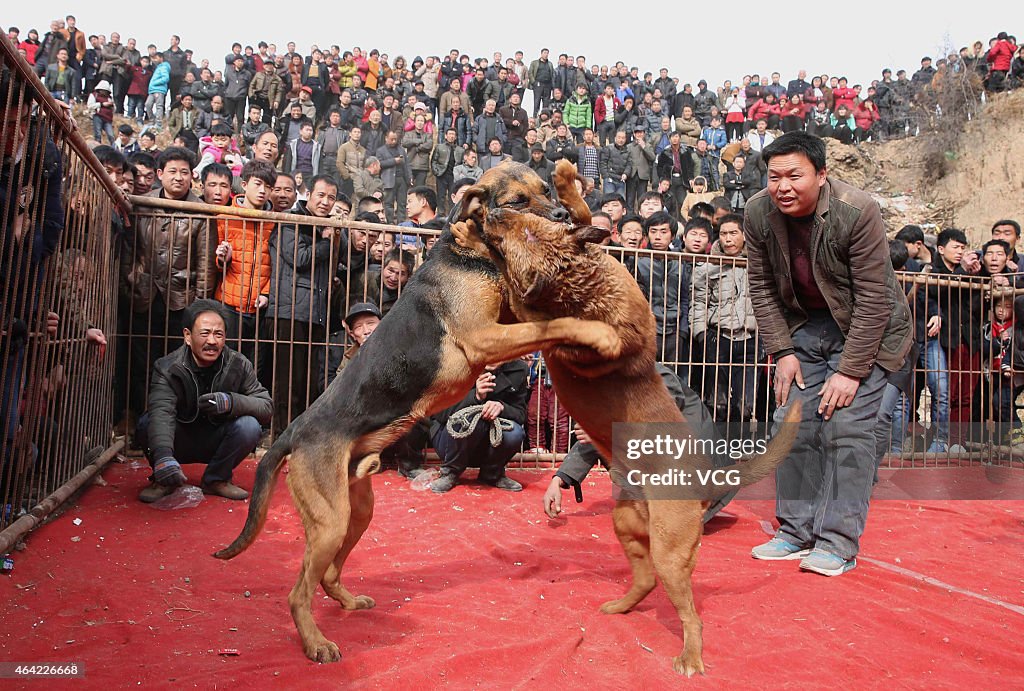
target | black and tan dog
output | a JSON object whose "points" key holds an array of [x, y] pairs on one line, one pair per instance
{"points": [[423, 357], [552, 270]]}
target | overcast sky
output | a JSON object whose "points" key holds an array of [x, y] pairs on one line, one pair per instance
{"points": [[856, 39]]}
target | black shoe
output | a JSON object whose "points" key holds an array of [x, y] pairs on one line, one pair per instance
{"points": [[410, 473], [506, 483], [443, 483]]}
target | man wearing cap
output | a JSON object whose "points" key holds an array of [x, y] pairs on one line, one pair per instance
{"points": [[361, 320], [305, 101], [540, 164], [641, 161]]}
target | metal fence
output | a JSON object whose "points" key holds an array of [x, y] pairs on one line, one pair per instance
{"points": [[956, 410], [60, 220]]}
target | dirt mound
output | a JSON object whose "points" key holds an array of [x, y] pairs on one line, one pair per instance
{"points": [[984, 182]]}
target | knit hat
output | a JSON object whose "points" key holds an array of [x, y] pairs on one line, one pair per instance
{"points": [[104, 85]]}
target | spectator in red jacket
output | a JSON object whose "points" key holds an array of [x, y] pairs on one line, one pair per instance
{"points": [[842, 95], [138, 89], [30, 46], [865, 115], [604, 114], [999, 58], [766, 108]]}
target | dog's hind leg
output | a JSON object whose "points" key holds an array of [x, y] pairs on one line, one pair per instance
{"points": [[318, 487], [676, 528], [630, 520], [361, 495]]}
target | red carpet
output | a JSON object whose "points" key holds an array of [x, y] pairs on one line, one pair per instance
{"points": [[478, 588]]}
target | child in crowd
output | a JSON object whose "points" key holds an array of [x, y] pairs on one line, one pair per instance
{"points": [[220, 147], [101, 108], [1003, 362]]}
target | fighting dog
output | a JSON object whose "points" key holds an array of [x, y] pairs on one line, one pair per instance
{"points": [[423, 357], [554, 269]]}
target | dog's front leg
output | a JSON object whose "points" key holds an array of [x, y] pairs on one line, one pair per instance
{"points": [[498, 343]]}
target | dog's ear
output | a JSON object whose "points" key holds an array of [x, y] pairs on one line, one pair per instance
{"points": [[594, 234], [467, 234]]}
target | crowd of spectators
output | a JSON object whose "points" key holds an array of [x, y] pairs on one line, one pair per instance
{"points": [[355, 134]]}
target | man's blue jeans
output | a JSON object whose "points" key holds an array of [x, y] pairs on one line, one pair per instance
{"points": [[613, 186], [458, 454], [824, 484], [220, 446], [932, 359]]}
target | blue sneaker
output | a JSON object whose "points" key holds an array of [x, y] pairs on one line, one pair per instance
{"points": [[826, 563], [778, 549], [937, 447]]}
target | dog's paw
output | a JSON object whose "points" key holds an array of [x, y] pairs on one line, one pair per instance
{"points": [[689, 667], [323, 652], [606, 342], [466, 235], [361, 602], [619, 606]]}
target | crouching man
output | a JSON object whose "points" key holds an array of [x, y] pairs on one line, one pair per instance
{"points": [[503, 392], [205, 406]]}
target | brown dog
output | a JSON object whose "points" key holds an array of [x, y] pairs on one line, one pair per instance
{"points": [[423, 357], [554, 270]]}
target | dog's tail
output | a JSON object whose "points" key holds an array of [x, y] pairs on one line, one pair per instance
{"points": [[266, 476], [762, 464]]}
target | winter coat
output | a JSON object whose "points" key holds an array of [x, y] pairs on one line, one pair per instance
{"points": [[350, 159], [115, 62], [600, 109], [614, 162], [721, 299], [174, 395], [690, 130], [417, 146], [236, 82], [480, 127], [264, 87], [641, 159], [851, 268], [1001, 55], [202, 92], [391, 170], [665, 282], [161, 79], [71, 80], [302, 264], [578, 113], [444, 158], [499, 91], [247, 275], [170, 255], [366, 185], [140, 80]]}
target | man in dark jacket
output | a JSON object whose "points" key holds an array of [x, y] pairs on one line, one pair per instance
{"points": [[303, 258], [835, 321], [502, 392], [205, 406]]}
